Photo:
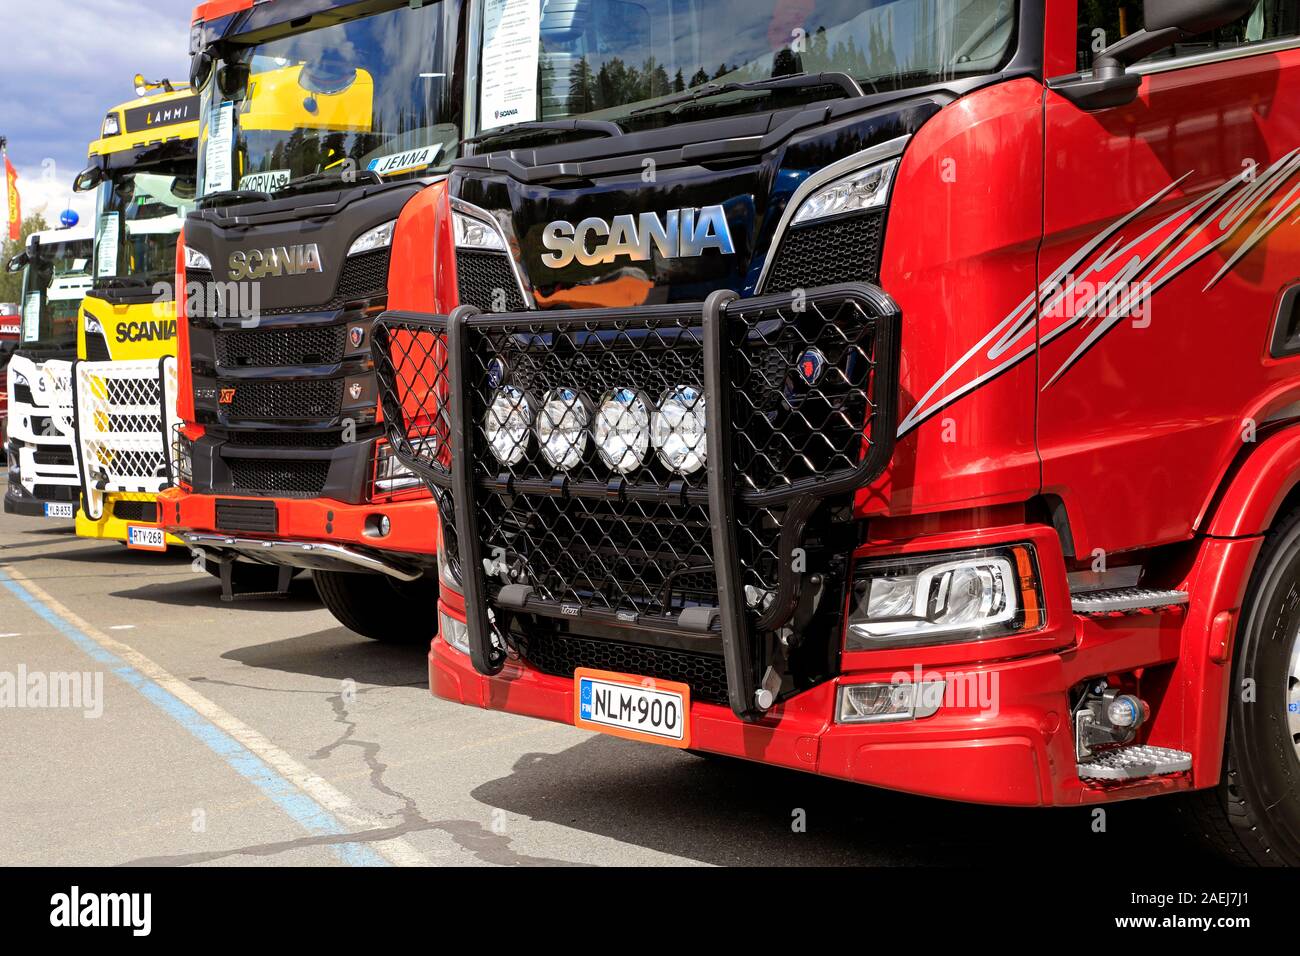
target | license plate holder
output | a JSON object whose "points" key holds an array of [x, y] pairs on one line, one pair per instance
{"points": [[635, 708]]}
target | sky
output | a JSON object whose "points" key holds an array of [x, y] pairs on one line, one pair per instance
{"points": [[63, 63]]}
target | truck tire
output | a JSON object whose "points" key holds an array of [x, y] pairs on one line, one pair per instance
{"points": [[379, 607], [1253, 815]]}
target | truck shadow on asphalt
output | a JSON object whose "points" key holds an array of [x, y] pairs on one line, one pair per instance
{"points": [[339, 654], [203, 590], [734, 812]]}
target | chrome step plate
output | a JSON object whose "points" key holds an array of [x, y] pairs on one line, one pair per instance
{"points": [[1134, 762], [1126, 601]]}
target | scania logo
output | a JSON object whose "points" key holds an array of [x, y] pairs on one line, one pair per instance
{"points": [[811, 365], [354, 391], [356, 335], [681, 234], [160, 331], [277, 261], [496, 372]]}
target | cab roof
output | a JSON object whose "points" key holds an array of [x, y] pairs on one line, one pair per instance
{"points": [[148, 120]]}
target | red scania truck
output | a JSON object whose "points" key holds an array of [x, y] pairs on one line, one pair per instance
{"points": [[906, 392], [322, 122]]}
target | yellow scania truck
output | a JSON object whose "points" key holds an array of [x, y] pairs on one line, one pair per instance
{"points": [[144, 167]]}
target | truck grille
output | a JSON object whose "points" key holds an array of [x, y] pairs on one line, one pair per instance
{"points": [[486, 281], [305, 400], [800, 389], [290, 479], [363, 276], [821, 254], [561, 654], [146, 511], [281, 348]]}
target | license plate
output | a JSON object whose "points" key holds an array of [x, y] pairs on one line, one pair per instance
{"points": [[53, 510], [144, 538], [638, 708]]}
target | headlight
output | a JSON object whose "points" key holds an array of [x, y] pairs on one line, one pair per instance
{"points": [[864, 189], [196, 260], [678, 430], [390, 474], [21, 379], [623, 429], [92, 325], [183, 456], [562, 428], [111, 126], [381, 237], [507, 425], [454, 632], [473, 233], [945, 598]]}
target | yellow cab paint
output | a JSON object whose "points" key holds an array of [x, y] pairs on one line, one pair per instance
{"points": [[133, 330]]}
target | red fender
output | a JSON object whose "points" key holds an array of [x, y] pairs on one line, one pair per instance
{"points": [[1250, 503]]}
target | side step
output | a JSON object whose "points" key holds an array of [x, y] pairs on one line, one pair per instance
{"points": [[1133, 762], [1118, 601]]}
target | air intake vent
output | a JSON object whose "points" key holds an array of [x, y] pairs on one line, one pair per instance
{"points": [[286, 479], [487, 282], [826, 253], [246, 516], [1286, 334]]}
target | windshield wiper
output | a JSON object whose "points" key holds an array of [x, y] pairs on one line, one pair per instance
{"points": [[228, 197], [311, 181], [601, 127], [796, 81]]}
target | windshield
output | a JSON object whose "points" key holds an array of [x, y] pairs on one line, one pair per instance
{"points": [[141, 211], [55, 280], [371, 94], [555, 59]]}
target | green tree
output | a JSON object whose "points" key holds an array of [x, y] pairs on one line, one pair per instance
{"points": [[11, 283]]}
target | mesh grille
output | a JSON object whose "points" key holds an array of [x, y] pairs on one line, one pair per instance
{"points": [[310, 400], [136, 511], [561, 654], [278, 348], [842, 250], [97, 348], [479, 276], [293, 479]]}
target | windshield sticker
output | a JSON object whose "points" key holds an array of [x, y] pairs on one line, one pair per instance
{"points": [[511, 37], [32, 317], [267, 182], [404, 161], [221, 129], [106, 245]]}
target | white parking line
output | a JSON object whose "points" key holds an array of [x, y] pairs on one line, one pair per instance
{"points": [[345, 810]]}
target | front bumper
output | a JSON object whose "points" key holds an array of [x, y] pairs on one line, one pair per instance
{"points": [[339, 534], [110, 527], [19, 501]]}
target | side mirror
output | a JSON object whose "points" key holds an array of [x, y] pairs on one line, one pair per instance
{"points": [[17, 262], [1166, 22], [88, 179], [200, 70]]}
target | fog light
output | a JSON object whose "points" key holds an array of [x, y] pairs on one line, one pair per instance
{"points": [[562, 428], [622, 429], [679, 430], [508, 424], [878, 703], [454, 632], [944, 598]]}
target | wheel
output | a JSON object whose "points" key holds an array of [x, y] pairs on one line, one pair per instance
{"points": [[379, 607], [1253, 816]]}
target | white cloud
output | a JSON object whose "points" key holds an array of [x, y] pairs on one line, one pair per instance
{"points": [[66, 62]]}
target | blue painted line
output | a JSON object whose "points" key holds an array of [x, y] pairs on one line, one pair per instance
{"points": [[304, 811]]}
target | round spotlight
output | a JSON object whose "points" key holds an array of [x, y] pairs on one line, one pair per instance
{"points": [[622, 429], [678, 430], [507, 424], [562, 427]]}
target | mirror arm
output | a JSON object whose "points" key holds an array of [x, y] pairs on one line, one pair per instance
{"points": [[1110, 84]]}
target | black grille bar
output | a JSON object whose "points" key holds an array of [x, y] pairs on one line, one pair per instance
{"points": [[801, 397]]}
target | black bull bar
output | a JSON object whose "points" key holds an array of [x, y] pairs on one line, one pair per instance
{"points": [[800, 396]]}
